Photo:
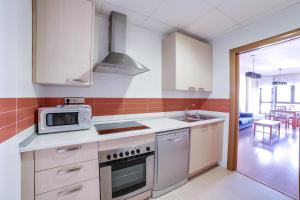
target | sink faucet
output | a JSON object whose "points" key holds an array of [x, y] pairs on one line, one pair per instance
{"points": [[186, 112]]}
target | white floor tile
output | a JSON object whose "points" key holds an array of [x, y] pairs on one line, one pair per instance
{"points": [[221, 184]]}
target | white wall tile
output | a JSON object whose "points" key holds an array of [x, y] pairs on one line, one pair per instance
{"points": [[179, 13], [144, 7], [132, 16], [211, 24], [245, 10], [156, 25]]}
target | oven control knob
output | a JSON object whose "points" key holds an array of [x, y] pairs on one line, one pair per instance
{"points": [[127, 153], [132, 152], [138, 151], [148, 148], [108, 157], [121, 154], [115, 155]]}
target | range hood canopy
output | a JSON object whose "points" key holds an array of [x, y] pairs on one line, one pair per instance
{"points": [[117, 61]]}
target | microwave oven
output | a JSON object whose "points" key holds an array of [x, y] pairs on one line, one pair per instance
{"points": [[64, 118]]}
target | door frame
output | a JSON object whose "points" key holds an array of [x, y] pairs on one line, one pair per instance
{"points": [[234, 90]]}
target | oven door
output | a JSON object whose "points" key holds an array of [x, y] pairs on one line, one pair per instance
{"points": [[125, 178]]}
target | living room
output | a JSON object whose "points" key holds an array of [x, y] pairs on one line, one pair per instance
{"points": [[269, 119]]}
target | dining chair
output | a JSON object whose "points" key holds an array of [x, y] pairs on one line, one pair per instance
{"points": [[270, 115], [281, 115], [290, 107]]}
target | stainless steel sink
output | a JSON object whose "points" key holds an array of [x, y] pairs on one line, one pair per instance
{"points": [[202, 117], [193, 118]]}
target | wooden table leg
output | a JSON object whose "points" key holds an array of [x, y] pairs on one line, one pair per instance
{"points": [[254, 130]]}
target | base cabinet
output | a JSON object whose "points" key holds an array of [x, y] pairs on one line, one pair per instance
{"points": [[85, 190], [64, 173], [205, 146]]}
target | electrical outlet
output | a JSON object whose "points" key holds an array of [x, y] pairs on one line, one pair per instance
{"points": [[74, 100]]}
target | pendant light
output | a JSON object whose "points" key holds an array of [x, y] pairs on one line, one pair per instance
{"points": [[253, 74], [278, 82]]}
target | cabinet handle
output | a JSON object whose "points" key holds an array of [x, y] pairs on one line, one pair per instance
{"points": [[79, 80], [65, 149], [66, 171], [192, 88], [175, 139], [201, 88], [70, 191]]}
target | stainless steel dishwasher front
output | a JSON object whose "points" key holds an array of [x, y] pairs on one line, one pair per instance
{"points": [[171, 161]]}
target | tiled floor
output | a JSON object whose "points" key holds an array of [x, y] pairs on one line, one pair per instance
{"points": [[274, 164], [221, 184]]}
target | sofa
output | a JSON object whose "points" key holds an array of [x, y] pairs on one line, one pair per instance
{"points": [[245, 120]]}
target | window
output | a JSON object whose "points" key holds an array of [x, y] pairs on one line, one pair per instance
{"points": [[265, 99], [297, 93], [266, 94], [265, 107], [284, 93]]}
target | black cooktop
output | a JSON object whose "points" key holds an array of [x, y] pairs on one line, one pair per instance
{"points": [[119, 127]]}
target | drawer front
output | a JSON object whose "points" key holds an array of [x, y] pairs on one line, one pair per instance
{"points": [[67, 175], [81, 191], [56, 157]]}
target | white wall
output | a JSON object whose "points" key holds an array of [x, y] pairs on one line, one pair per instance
{"points": [[15, 81], [144, 46], [279, 22], [15, 49]]}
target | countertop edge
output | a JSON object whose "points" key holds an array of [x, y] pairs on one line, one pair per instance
{"points": [[28, 147]]}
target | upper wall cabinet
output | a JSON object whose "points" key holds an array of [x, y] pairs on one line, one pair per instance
{"points": [[62, 41], [186, 64]]}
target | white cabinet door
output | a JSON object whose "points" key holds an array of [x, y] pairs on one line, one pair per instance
{"points": [[186, 63], [205, 146], [200, 141], [62, 41], [216, 131]]}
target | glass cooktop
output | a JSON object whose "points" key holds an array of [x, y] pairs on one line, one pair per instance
{"points": [[119, 127]]}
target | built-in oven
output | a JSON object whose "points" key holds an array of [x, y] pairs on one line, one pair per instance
{"points": [[126, 172]]}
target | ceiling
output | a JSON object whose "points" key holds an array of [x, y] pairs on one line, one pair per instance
{"points": [[204, 18], [269, 59]]}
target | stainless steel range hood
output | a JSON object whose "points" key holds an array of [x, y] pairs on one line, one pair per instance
{"points": [[117, 62]]}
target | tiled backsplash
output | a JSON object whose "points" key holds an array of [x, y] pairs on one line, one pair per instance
{"points": [[17, 114]]}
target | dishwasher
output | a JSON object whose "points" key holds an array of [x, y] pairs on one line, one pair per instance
{"points": [[171, 161]]}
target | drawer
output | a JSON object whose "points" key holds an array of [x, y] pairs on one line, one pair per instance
{"points": [[56, 157], [67, 175], [81, 191]]}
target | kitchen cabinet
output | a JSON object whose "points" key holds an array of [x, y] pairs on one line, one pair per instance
{"points": [[205, 147], [70, 172], [186, 63], [62, 42]]}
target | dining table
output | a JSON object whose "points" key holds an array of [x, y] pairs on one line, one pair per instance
{"points": [[292, 113]]}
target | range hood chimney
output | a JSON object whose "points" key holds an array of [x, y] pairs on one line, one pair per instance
{"points": [[117, 61]]}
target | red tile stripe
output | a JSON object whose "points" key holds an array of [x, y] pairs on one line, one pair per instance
{"points": [[17, 114]]}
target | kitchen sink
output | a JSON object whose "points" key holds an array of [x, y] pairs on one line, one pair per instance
{"points": [[193, 118]]}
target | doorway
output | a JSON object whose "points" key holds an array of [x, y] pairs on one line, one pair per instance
{"points": [[233, 150]]}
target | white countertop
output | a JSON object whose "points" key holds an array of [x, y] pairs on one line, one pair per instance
{"points": [[157, 124]]}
